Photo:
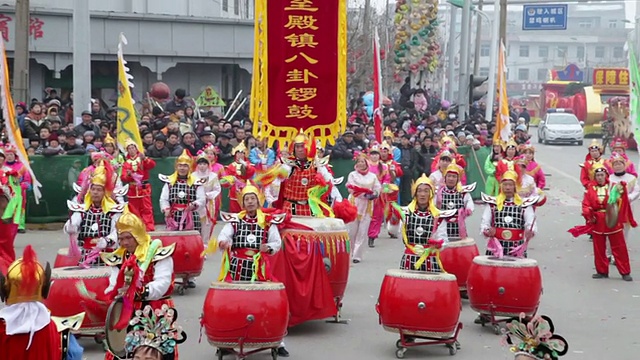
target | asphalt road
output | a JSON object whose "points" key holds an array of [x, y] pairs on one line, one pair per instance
{"points": [[599, 318]]}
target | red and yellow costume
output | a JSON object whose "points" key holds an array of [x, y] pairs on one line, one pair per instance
{"points": [[507, 163], [590, 163], [594, 211], [24, 179], [27, 329], [11, 193], [135, 172], [395, 174], [242, 171], [142, 278]]}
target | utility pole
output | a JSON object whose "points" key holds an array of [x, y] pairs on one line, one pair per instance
{"points": [[493, 60], [81, 58], [21, 53], [451, 67], [463, 93], [503, 22], [476, 55]]}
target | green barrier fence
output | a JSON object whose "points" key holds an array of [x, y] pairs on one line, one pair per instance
{"points": [[56, 175]]}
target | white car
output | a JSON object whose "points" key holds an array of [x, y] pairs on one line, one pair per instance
{"points": [[560, 127]]}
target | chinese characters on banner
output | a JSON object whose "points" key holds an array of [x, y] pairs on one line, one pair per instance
{"points": [[610, 78], [301, 79], [35, 27]]}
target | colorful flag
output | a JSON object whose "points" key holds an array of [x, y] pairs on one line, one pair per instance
{"points": [[634, 84], [209, 98], [13, 131], [127, 125], [377, 88], [503, 127]]}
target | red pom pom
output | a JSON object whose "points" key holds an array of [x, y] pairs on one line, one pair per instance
{"points": [[345, 210], [320, 180]]}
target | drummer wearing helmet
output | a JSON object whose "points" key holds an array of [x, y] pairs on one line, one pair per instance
{"points": [[241, 170], [455, 196], [141, 273], [27, 329], [593, 158], [248, 239]]}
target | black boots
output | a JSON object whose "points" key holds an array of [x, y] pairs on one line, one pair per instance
{"points": [[371, 240]]}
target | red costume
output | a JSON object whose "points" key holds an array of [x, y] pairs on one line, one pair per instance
{"points": [[10, 191], [594, 210], [135, 172], [241, 171], [586, 168]]}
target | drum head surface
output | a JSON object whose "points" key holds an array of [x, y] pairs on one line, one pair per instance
{"points": [[420, 275], [115, 338], [247, 285], [77, 272], [322, 225], [507, 261], [164, 233]]}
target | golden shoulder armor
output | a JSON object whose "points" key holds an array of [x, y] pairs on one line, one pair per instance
{"points": [[164, 252], [488, 199], [74, 206], [111, 259], [164, 178], [72, 322]]}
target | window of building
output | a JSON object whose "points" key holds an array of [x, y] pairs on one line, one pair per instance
{"points": [[543, 51], [523, 74], [618, 52], [225, 5], [543, 74], [580, 52], [562, 51], [247, 10], [524, 50], [613, 24], [485, 50], [484, 71], [599, 52], [585, 24], [236, 7]]}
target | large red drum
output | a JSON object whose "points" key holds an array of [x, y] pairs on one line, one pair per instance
{"points": [[187, 261], [419, 303], [65, 298], [64, 259], [320, 255], [457, 258], [504, 287], [256, 312]]}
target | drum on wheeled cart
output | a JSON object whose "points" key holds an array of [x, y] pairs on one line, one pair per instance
{"points": [[246, 315], [420, 305], [457, 258], [505, 287], [63, 259], [187, 262]]}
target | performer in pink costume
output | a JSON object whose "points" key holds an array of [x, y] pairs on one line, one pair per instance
{"points": [[13, 163], [619, 146], [533, 168], [382, 172]]}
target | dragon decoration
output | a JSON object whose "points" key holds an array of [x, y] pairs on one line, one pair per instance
{"points": [[416, 48]]}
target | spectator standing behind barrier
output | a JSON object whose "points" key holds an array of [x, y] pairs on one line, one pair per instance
{"points": [[159, 148], [345, 147], [224, 157], [87, 124], [71, 147]]}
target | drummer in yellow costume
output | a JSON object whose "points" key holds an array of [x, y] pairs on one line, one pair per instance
{"points": [[141, 273]]}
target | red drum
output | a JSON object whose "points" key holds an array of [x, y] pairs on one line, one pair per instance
{"points": [[419, 303], [65, 299], [457, 258], [322, 257], [64, 259], [256, 312], [187, 261], [504, 287]]}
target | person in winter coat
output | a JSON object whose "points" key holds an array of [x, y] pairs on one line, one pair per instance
{"points": [[34, 121]]}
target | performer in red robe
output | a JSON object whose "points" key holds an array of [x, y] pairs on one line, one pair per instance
{"points": [[242, 171], [135, 172], [10, 203], [142, 271], [593, 157], [395, 172], [27, 329]]}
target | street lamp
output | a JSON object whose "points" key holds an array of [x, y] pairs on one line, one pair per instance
{"points": [[586, 54]]}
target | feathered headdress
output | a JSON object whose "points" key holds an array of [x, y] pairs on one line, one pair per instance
{"points": [[534, 337], [155, 329]]}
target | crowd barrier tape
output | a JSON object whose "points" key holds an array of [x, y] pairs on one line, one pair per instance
{"points": [[57, 174]]}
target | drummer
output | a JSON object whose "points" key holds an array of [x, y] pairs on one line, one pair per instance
{"points": [[27, 329], [94, 221], [154, 336], [508, 218], [455, 196], [246, 238], [423, 228], [138, 254], [521, 332]]}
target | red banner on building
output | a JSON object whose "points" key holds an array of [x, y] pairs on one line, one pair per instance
{"points": [[299, 77]]}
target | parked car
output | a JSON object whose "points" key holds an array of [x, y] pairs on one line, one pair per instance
{"points": [[560, 126]]}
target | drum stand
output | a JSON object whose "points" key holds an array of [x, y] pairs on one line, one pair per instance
{"points": [[491, 318], [407, 341], [98, 337], [241, 354], [336, 318]]}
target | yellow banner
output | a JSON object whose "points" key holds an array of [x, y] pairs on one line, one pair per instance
{"points": [[127, 125], [503, 126]]}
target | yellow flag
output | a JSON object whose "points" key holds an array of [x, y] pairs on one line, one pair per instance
{"points": [[503, 127], [127, 125]]}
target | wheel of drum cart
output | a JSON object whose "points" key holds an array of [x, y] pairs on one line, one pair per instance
{"points": [[98, 338], [180, 290], [453, 350], [399, 344], [220, 354], [400, 353], [496, 329], [457, 344], [274, 354]]}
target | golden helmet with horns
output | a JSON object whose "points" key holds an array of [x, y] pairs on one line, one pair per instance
{"points": [[241, 147], [108, 140], [387, 133], [251, 189], [26, 280], [131, 223], [422, 180], [185, 159]]}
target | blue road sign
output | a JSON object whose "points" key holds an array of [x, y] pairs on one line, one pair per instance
{"points": [[544, 17]]}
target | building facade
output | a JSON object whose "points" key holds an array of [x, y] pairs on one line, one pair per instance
{"points": [[187, 44]]}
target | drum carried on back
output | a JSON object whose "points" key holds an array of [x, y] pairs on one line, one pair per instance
{"points": [[246, 315], [420, 305], [67, 297], [457, 258], [187, 262], [504, 287]]}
